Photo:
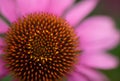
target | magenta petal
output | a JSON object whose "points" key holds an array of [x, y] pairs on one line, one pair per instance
{"points": [[2, 44], [76, 77], [91, 74], [99, 60], [3, 27], [80, 10], [31, 6], [8, 9], [98, 33], [3, 70], [58, 6]]}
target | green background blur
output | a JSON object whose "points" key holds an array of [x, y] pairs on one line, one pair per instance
{"points": [[110, 8]]}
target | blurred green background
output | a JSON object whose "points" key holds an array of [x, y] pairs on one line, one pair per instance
{"points": [[110, 8]]}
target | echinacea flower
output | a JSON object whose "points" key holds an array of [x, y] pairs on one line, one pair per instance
{"points": [[46, 40]]}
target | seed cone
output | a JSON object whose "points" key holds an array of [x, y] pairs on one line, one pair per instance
{"points": [[40, 47]]}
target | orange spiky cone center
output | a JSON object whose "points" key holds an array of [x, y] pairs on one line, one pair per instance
{"points": [[40, 47]]}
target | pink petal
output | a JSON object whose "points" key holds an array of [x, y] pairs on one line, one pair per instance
{"points": [[3, 70], [80, 10], [99, 60], [31, 6], [3, 27], [91, 74], [58, 6], [2, 44], [76, 77], [8, 9], [98, 33]]}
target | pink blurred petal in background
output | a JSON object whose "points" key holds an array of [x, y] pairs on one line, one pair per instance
{"points": [[98, 59], [91, 74], [3, 70], [31, 6], [80, 11], [2, 45], [3, 26], [98, 33], [56, 8], [8, 9]]}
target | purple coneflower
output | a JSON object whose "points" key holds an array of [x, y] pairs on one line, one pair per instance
{"points": [[46, 40]]}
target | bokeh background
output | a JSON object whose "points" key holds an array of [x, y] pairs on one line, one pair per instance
{"points": [[110, 8]]}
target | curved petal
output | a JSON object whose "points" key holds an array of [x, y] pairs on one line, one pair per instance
{"points": [[8, 9], [31, 6], [3, 70], [100, 60], [3, 27], [58, 6], [92, 74], [76, 77], [2, 44], [80, 10], [98, 33]]}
